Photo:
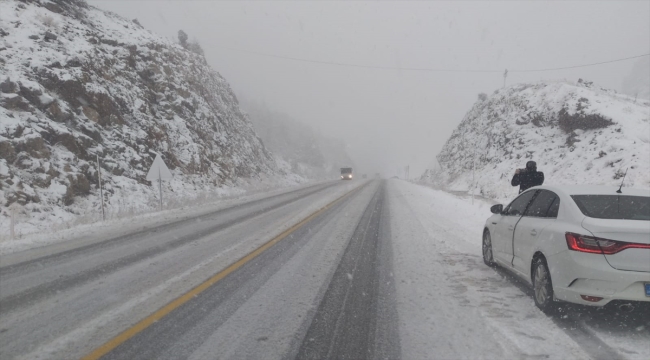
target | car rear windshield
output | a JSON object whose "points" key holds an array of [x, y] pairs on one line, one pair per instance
{"points": [[623, 207]]}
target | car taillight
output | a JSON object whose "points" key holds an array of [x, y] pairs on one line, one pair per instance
{"points": [[591, 298], [594, 245]]}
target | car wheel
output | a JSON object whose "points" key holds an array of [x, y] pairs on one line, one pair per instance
{"points": [[488, 255], [542, 286]]}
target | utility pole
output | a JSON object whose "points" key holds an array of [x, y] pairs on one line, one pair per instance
{"points": [[505, 75], [101, 190]]}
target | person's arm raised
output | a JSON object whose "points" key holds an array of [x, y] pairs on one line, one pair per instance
{"points": [[515, 179]]}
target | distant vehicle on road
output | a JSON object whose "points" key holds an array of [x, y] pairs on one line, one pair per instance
{"points": [[582, 244], [363, 176], [346, 173]]}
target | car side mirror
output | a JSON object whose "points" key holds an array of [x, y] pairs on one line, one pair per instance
{"points": [[496, 209]]}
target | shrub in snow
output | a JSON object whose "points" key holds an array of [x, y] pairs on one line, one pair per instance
{"points": [[580, 119], [195, 47], [48, 21], [182, 38]]}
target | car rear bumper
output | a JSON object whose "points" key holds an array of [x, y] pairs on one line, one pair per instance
{"points": [[575, 274]]}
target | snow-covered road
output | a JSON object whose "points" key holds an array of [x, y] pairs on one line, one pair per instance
{"points": [[379, 269]]}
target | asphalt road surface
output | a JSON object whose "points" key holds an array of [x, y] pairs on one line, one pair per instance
{"points": [[324, 269], [307, 273]]}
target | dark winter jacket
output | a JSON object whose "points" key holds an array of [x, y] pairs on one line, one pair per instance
{"points": [[527, 179]]}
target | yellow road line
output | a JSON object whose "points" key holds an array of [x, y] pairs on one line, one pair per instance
{"points": [[162, 312]]}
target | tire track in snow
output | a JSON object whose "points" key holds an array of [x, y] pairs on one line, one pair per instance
{"points": [[347, 324]]}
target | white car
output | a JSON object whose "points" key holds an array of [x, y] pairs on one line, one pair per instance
{"points": [[582, 244]]}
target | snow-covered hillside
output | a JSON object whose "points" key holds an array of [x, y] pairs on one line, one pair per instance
{"points": [[577, 134], [306, 151], [77, 82]]}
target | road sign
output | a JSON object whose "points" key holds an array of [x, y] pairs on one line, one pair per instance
{"points": [[159, 171]]}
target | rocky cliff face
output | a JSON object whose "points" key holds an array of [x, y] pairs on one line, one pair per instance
{"points": [[577, 134], [79, 83]]}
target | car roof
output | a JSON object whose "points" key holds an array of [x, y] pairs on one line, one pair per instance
{"points": [[594, 190]]}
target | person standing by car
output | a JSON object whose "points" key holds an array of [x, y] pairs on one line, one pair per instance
{"points": [[528, 177]]}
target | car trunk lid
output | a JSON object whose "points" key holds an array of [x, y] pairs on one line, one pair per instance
{"points": [[630, 231]]}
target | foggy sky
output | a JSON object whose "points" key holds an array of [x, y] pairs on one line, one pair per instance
{"points": [[391, 118]]}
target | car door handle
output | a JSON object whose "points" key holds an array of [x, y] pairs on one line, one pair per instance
{"points": [[533, 232], [511, 228], [494, 223]]}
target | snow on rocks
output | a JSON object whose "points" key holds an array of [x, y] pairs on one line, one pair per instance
{"points": [[76, 83], [577, 134]]}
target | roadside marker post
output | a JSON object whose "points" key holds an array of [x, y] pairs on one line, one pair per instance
{"points": [[101, 188], [473, 178], [159, 171], [13, 208]]}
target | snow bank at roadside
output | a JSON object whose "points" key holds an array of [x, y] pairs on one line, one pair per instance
{"points": [[451, 305], [437, 237], [126, 222]]}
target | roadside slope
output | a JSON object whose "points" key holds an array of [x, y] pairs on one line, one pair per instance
{"points": [[577, 134], [78, 82]]}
